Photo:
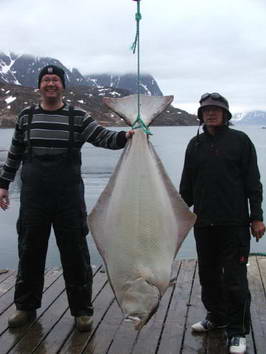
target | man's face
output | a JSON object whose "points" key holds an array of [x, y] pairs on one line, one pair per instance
{"points": [[213, 116], [51, 87]]}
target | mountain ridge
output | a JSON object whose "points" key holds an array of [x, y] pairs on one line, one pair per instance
{"points": [[24, 70], [13, 98], [257, 117], [18, 82]]}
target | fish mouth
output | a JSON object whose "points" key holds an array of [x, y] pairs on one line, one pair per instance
{"points": [[137, 321], [140, 319]]}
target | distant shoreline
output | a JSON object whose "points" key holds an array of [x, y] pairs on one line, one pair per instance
{"points": [[124, 125]]}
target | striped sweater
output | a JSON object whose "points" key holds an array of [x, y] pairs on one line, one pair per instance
{"points": [[50, 133]]}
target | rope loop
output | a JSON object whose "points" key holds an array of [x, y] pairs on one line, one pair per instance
{"points": [[139, 124]]}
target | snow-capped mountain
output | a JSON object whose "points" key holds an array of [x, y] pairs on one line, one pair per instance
{"points": [[7, 74], [13, 98], [237, 117], [18, 83], [24, 69], [148, 85], [250, 118]]}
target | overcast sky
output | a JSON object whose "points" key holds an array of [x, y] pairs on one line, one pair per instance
{"points": [[189, 46]]}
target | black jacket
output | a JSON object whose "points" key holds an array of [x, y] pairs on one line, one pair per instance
{"points": [[221, 178]]}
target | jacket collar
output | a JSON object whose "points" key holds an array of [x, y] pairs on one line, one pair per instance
{"points": [[218, 130]]}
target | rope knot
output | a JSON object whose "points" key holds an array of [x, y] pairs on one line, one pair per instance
{"points": [[139, 124], [138, 16]]}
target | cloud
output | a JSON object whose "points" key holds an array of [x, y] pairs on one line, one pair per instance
{"points": [[189, 47]]}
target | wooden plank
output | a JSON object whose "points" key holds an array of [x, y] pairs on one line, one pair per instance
{"points": [[7, 298], [113, 329], [174, 327], [56, 324], [102, 338], [124, 340], [77, 341], [56, 336], [193, 342], [4, 276], [51, 276], [39, 330], [148, 339], [4, 318], [64, 328], [168, 331], [11, 336], [6, 301], [7, 284], [262, 269], [128, 340], [217, 342], [256, 276]]}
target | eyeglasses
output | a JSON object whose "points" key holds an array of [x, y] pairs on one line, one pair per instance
{"points": [[53, 81], [214, 96]]}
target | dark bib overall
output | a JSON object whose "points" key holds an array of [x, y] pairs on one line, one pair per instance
{"points": [[53, 195]]}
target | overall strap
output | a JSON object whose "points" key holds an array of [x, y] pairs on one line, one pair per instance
{"points": [[30, 115], [71, 129]]}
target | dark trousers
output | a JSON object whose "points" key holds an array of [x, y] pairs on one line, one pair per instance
{"points": [[59, 204], [222, 256]]}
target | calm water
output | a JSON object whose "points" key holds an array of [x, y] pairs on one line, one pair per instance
{"points": [[98, 164]]}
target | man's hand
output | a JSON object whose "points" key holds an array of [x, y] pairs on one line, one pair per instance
{"points": [[130, 133], [257, 229], [4, 199]]}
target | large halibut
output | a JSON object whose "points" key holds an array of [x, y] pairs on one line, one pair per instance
{"points": [[140, 220]]}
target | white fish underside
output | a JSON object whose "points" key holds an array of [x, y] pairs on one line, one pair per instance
{"points": [[139, 221]]}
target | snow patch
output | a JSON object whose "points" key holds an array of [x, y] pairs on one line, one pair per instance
{"points": [[6, 67], [146, 89], [10, 99], [115, 93]]}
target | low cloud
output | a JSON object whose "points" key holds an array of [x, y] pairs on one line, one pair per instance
{"points": [[189, 47]]}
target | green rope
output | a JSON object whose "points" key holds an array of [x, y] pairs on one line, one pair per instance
{"points": [[138, 122]]}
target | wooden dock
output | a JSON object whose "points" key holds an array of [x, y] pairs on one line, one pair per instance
{"points": [[168, 332]]}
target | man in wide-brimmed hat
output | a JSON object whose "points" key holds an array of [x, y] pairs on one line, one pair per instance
{"points": [[222, 180]]}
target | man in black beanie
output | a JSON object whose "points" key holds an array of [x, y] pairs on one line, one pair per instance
{"points": [[47, 140], [52, 70]]}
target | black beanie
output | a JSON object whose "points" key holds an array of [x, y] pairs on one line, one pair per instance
{"points": [[52, 70]]}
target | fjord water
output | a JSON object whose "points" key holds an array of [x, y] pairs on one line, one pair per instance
{"points": [[98, 164]]}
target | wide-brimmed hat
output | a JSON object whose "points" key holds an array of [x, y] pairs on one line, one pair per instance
{"points": [[214, 99]]}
